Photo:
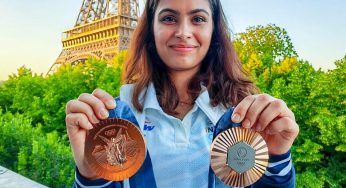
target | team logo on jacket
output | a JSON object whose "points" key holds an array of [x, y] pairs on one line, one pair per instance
{"points": [[148, 126], [210, 131]]}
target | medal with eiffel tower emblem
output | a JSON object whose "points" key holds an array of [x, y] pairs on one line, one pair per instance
{"points": [[239, 157]]}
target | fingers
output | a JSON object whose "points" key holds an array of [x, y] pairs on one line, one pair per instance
{"points": [[95, 104], [75, 121], [76, 106], [285, 126], [276, 109], [242, 108], [256, 109], [105, 97], [87, 110]]}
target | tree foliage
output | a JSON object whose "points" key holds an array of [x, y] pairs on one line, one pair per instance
{"points": [[262, 46], [33, 138], [41, 156], [317, 98], [43, 99]]}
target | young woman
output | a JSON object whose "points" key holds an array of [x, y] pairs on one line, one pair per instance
{"points": [[182, 74]]}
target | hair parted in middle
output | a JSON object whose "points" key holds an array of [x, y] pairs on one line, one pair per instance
{"points": [[221, 72]]}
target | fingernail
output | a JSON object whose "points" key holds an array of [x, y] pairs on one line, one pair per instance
{"points": [[104, 113], [90, 126], [235, 118], [246, 123], [110, 104], [95, 120]]}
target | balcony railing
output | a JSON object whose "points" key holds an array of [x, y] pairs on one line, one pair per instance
{"points": [[11, 179]]}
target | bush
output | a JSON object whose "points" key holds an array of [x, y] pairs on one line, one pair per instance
{"points": [[33, 153]]}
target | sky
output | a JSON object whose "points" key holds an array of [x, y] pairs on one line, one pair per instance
{"points": [[31, 31]]}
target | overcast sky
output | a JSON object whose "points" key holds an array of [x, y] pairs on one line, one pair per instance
{"points": [[30, 31]]}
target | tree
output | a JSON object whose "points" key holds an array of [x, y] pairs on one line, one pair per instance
{"points": [[69, 82], [20, 92], [317, 98], [270, 44]]}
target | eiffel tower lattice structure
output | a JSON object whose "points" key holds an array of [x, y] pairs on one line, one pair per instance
{"points": [[103, 29]]}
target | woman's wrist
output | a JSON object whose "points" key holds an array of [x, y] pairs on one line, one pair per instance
{"points": [[86, 172]]}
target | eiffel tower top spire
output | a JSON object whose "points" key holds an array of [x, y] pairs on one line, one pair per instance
{"points": [[93, 10]]}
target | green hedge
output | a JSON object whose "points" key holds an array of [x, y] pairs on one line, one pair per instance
{"points": [[43, 157]]}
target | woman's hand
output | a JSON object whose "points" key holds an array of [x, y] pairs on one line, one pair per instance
{"points": [[80, 115], [271, 118]]}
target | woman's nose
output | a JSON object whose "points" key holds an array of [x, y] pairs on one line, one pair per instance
{"points": [[183, 30]]}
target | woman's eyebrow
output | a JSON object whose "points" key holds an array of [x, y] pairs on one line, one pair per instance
{"points": [[194, 11], [168, 10]]}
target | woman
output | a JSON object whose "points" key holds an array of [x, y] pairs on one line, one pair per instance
{"points": [[182, 74]]}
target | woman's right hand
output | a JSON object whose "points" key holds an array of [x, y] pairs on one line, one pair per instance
{"points": [[81, 113]]}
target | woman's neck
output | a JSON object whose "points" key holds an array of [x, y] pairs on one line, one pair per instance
{"points": [[181, 82]]}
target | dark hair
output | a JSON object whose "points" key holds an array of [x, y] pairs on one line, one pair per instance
{"points": [[221, 72]]}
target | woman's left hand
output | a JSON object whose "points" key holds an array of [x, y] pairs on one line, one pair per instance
{"points": [[271, 118]]}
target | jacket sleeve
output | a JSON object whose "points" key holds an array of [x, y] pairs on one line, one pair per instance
{"points": [[280, 172], [82, 182]]}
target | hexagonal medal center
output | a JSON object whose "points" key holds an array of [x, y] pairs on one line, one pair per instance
{"points": [[241, 157]]}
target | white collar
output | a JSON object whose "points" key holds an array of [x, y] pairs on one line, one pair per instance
{"points": [[150, 101]]}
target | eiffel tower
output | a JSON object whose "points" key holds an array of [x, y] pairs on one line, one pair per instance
{"points": [[103, 29]]}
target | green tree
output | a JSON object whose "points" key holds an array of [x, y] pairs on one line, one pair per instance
{"points": [[33, 142], [43, 99], [33, 153], [317, 99], [265, 45], [20, 91], [69, 82]]}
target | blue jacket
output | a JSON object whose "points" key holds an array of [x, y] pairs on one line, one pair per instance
{"points": [[280, 172]]}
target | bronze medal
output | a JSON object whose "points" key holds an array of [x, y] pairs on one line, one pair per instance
{"points": [[115, 149], [239, 157]]}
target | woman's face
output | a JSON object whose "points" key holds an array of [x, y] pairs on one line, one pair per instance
{"points": [[183, 31]]}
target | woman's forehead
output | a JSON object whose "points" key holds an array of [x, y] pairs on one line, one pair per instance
{"points": [[184, 6]]}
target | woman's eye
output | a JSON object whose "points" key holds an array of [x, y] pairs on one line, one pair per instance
{"points": [[199, 19], [168, 19]]}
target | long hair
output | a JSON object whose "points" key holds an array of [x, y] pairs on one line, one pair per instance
{"points": [[221, 72]]}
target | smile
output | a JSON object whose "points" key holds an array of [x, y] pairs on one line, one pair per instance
{"points": [[183, 48]]}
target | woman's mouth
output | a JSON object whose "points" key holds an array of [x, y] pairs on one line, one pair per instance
{"points": [[183, 47]]}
